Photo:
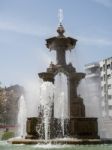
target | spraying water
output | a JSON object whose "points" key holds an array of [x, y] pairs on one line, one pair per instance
{"points": [[61, 96], [28, 105], [61, 99], [22, 117], [46, 102]]}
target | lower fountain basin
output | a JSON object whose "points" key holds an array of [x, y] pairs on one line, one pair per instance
{"points": [[78, 127], [71, 141]]}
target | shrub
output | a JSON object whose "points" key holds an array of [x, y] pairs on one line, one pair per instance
{"points": [[7, 135]]}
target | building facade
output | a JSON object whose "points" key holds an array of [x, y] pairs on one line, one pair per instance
{"points": [[99, 83], [106, 87]]}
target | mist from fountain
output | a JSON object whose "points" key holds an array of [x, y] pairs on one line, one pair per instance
{"points": [[90, 91], [32, 97], [28, 105]]}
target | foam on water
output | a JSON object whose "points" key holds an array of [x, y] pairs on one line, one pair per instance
{"points": [[6, 146], [51, 146]]}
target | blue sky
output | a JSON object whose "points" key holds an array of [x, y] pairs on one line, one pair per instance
{"points": [[25, 24]]}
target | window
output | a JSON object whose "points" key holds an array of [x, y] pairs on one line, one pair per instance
{"points": [[104, 77], [101, 68], [108, 66], [109, 96], [104, 87], [101, 78], [105, 97], [110, 106], [109, 86], [109, 76], [101, 87], [111, 65]]}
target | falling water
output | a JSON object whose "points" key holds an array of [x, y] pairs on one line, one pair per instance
{"points": [[62, 111], [22, 117], [61, 99], [61, 96], [32, 97], [46, 102]]}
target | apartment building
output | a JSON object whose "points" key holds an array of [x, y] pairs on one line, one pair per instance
{"points": [[106, 87], [99, 83]]}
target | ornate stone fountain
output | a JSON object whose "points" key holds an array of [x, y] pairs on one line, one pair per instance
{"points": [[77, 125], [78, 129]]}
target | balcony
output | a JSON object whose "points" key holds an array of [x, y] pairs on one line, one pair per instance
{"points": [[91, 75], [91, 65], [110, 102]]}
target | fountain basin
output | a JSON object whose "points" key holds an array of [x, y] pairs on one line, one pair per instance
{"points": [[77, 127], [70, 141]]}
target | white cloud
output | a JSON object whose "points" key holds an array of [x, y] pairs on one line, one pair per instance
{"points": [[95, 41], [25, 28], [106, 3]]}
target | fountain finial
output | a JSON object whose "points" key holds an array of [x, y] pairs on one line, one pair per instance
{"points": [[60, 16], [60, 29]]}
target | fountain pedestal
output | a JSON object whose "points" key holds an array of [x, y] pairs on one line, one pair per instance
{"points": [[31, 130]]}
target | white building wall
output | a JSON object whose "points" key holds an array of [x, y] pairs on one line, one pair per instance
{"points": [[103, 80], [106, 86]]}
